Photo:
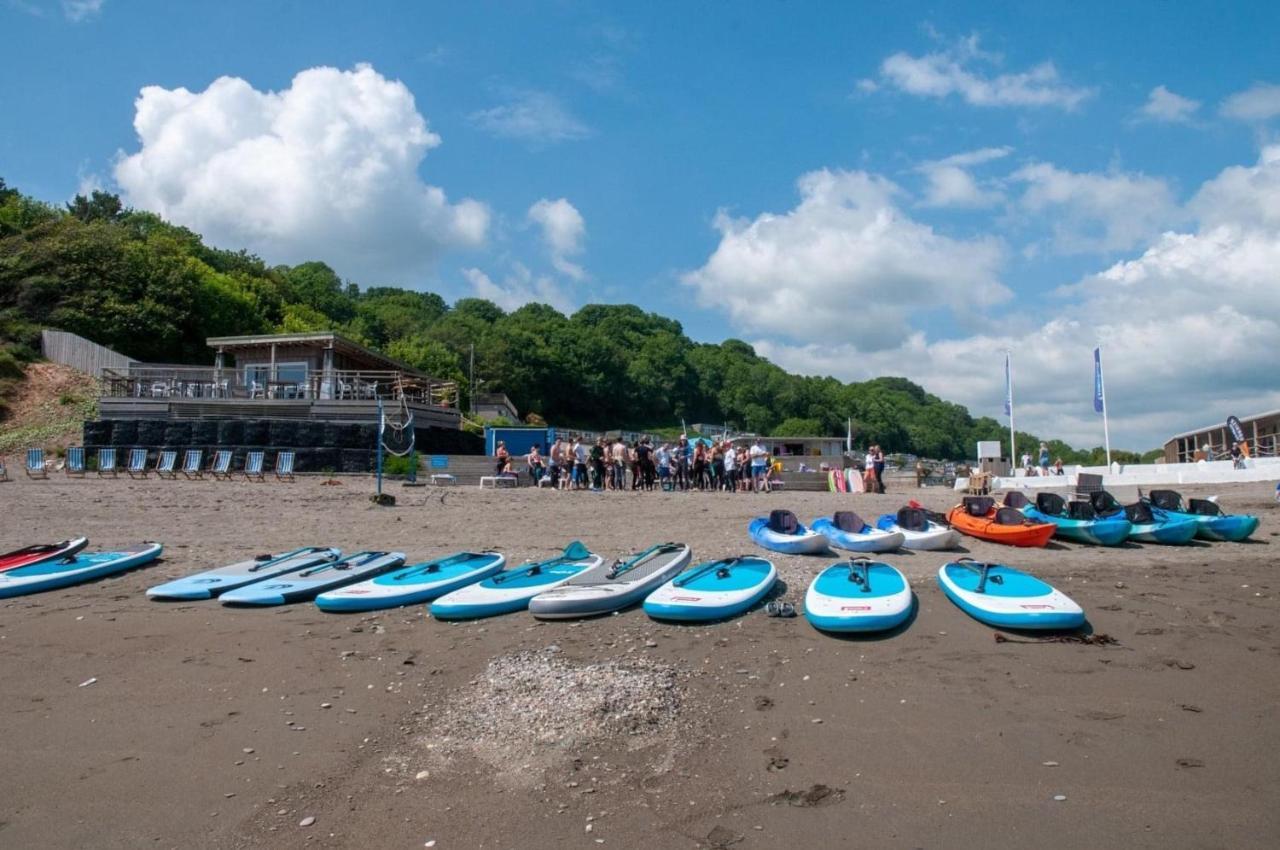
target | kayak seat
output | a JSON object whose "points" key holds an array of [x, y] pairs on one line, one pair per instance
{"points": [[1051, 504], [1139, 513], [1204, 507], [848, 521], [978, 505], [1017, 499], [1009, 516], [1081, 510], [1104, 503], [913, 519], [783, 522], [1167, 500]]}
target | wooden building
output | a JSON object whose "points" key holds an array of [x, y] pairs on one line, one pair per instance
{"points": [[1261, 431]]}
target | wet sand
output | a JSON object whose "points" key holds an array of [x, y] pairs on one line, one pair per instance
{"points": [[215, 727]]}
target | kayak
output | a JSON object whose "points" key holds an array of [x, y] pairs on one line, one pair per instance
{"points": [[1076, 521], [1211, 522], [624, 584], [1007, 598], [416, 583], [846, 530], [978, 516], [713, 590], [41, 552], [918, 531], [782, 532], [210, 583], [858, 595], [1147, 524], [308, 583], [74, 569], [511, 590]]}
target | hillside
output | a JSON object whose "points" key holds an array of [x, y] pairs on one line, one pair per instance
{"points": [[46, 408]]}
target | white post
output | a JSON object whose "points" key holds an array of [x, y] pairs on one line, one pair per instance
{"points": [[848, 435], [1106, 433], [1013, 439]]}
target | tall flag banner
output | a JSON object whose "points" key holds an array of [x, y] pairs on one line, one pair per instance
{"points": [[1100, 400]]}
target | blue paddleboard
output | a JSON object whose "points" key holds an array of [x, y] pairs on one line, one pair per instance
{"points": [[1002, 596], [858, 595], [211, 583], [308, 583], [713, 590], [417, 583], [74, 569]]}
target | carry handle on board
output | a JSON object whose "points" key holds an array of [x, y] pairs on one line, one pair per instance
{"points": [[575, 551], [358, 560], [865, 578], [721, 567], [434, 566], [983, 569], [619, 566], [263, 561]]}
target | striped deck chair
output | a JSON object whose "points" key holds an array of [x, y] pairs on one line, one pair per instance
{"points": [[253, 465], [75, 461], [137, 467], [192, 462], [35, 464], [284, 466], [4, 473], [165, 464], [107, 462], [221, 467]]}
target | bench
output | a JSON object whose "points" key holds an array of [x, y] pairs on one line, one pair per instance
{"points": [[496, 480], [443, 478]]}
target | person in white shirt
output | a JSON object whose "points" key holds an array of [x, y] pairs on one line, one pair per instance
{"points": [[579, 464], [758, 455], [730, 468]]}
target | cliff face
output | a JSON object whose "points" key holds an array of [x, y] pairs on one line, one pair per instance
{"points": [[46, 408]]}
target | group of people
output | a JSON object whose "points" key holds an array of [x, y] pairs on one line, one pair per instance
{"points": [[1042, 466], [873, 471], [604, 464]]}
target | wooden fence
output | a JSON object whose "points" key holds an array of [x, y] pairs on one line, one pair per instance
{"points": [[79, 353]]}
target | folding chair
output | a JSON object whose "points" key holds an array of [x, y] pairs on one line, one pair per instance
{"points": [[137, 467], [107, 462], [253, 466], [192, 462], [284, 466], [165, 464], [75, 461], [35, 464], [221, 467], [4, 473]]}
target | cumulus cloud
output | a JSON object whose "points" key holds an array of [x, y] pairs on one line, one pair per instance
{"points": [[1260, 102], [326, 168], [563, 232], [1094, 212], [958, 71], [1166, 107], [82, 10], [519, 287], [846, 260], [532, 116], [950, 184], [1179, 325]]}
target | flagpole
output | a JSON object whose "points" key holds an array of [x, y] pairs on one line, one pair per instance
{"points": [[1102, 390], [1013, 440], [848, 435]]}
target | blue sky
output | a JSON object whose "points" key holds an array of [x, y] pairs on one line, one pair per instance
{"points": [[856, 190]]}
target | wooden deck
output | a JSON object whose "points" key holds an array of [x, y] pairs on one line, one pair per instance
{"points": [[326, 410]]}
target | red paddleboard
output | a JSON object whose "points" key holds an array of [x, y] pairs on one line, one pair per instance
{"points": [[41, 552]]}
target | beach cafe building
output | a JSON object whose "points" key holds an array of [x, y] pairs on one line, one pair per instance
{"points": [[1261, 432]]}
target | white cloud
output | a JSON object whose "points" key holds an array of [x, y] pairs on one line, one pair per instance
{"points": [[533, 116], [1167, 107], [952, 71], [327, 168], [519, 287], [951, 185], [82, 10], [563, 232], [1260, 102], [845, 261], [1093, 212]]}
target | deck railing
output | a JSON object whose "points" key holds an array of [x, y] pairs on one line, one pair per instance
{"points": [[208, 382]]}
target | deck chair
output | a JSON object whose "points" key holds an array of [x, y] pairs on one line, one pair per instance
{"points": [[35, 464], [165, 464], [4, 473], [221, 466], [191, 463], [137, 467], [284, 466], [107, 462], [75, 461], [253, 466]]}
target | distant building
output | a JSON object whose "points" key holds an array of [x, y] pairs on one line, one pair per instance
{"points": [[1261, 431], [493, 405]]}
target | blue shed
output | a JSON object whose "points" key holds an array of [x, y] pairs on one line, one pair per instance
{"points": [[518, 440]]}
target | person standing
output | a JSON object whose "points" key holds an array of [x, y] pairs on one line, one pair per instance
{"points": [[758, 455], [663, 456], [1044, 458], [501, 456], [644, 456], [534, 461], [597, 464], [730, 465], [879, 466]]}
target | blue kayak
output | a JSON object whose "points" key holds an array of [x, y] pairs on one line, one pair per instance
{"points": [[1076, 520], [782, 532], [1211, 522], [1146, 524], [74, 569], [858, 595], [307, 584], [713, 590], [417, 583], [1007, 598], [846, 530]]}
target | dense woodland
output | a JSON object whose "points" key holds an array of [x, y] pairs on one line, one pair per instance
{"points": [[155, 291]]}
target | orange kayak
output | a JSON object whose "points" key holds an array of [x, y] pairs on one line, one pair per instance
{"points": [[978, 516]]}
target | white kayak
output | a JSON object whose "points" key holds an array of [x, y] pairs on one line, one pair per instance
{"points": [[625, 583], [918, 531], [511, 590], [846, 530], [417, 583], [211, 583], [782, 532], [74, 569]]}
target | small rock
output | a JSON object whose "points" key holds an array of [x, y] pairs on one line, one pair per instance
{"points": [[247, 750], [817, 720], [87, 682], [307, 821], [422, 774], [431, 843], [651, 643], [1049, 763], [1059, 797], [326, 705]]}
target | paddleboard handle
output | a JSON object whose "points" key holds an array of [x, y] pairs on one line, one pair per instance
{"points": [[721, 568], [619, 566], [865, 578], [983, 569]]}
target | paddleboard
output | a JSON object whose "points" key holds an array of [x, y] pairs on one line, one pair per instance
{"points": [[713, 590], [511, 590], [210, 583], [308, 583], [1002, 596], [858, 595], [74, 569], [417, 583], [624, 584], [831, 479], [842, 484], [855, 480], [41, 552]]}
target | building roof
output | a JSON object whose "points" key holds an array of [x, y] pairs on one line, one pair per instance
{"points": [[325, 338], [1244, 420]]}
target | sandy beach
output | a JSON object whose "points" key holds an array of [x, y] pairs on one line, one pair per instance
{"points": [[206, 726]]}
